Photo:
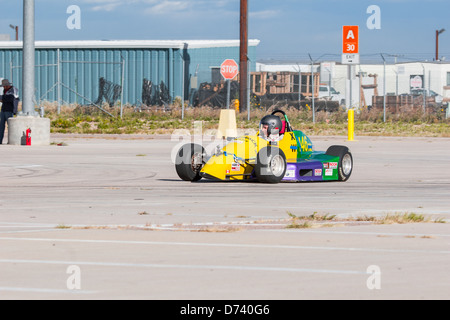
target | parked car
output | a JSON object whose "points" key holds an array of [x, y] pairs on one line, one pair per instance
{"points": [[429, 93], [330, 93]]}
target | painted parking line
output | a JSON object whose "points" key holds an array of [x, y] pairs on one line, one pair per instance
{"points": [[251, 246], [182, 266], [45, 290], [360, 233], [24, 227], [27, 231]]}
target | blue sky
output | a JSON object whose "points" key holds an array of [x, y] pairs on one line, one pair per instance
{"points": [[288, 29]]}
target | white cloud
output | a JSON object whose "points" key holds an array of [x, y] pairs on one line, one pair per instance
{"points": [[109, 5], [106, 7], [265, 14], [154, 7], [167, 6]]}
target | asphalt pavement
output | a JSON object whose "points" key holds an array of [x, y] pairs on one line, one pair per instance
{"points": [[106, 217]]}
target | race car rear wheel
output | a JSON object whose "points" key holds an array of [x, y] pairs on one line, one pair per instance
{"points": [[345, 165], [270, 165], [189, 162]]}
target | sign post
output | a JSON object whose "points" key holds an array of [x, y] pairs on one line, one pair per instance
{"points": [[229, 70], [350, 45], [350, 52]]}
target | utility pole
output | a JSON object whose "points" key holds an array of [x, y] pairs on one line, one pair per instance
{"points": [[243, 56]]}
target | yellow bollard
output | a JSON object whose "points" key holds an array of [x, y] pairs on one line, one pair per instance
{"points": [[236, 105], [351, 125]]}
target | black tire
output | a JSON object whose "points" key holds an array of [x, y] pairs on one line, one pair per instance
{"points": [[186, 169], [345, 165], [270, 165]]}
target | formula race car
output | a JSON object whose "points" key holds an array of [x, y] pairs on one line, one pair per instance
{"points": [[276, 153]]}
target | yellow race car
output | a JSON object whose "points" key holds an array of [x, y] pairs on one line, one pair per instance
{"points": [[276, 153]]}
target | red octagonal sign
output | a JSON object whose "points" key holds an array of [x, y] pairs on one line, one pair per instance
{"points": [[229, 69]]}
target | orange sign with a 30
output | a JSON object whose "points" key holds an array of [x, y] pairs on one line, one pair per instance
{"points": [[350, 39]]}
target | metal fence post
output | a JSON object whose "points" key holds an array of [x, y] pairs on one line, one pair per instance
{"points": [[122, 85], [58, 76]]}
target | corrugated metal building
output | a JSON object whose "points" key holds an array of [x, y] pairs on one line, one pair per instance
{"points": [[71, 70]]}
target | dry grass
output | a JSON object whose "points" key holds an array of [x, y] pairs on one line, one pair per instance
{"points": [[156, 120], [320, 220], [218, 229], [303, 222]]}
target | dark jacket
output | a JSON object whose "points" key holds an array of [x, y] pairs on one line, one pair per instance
{"points": [[10, 100]]}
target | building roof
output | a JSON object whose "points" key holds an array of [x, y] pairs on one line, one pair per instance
{"points": [[128, 44]]}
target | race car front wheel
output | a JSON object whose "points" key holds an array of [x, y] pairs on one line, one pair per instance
{"points": [[189, 162], [270, 165], [345, 165]]}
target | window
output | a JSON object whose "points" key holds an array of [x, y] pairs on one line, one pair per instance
{"points": [[305, 83], [296, 83], [257, 83], [215, 75]]}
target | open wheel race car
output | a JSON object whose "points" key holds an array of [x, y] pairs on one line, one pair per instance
{"points": [[276, 153]]}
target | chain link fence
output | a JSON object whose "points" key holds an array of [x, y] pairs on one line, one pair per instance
{"points": [[392, 83]]}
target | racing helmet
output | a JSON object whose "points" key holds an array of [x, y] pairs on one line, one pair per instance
{"points": [[270, 125]]}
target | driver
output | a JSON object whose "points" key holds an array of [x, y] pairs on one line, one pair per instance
{"points": [[269, 128]]}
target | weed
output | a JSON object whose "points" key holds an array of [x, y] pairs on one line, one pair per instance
{"points": [[218, 229], [153, 120], [440, 220], [400, 218], [302, 222], [295, 225], [389, 218], [63, 226], [312, 217]]}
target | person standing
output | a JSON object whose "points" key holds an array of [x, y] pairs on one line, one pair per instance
{"points": [[10, 101]]}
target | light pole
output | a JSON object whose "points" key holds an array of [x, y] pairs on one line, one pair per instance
{"points": [[438, 32], [28, 57], [16, 29], [28, 120]]}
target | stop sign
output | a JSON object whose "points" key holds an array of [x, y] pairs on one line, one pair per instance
{"points": [[229, 69]]}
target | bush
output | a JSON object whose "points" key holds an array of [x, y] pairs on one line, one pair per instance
{"points": [[411, 122]]}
